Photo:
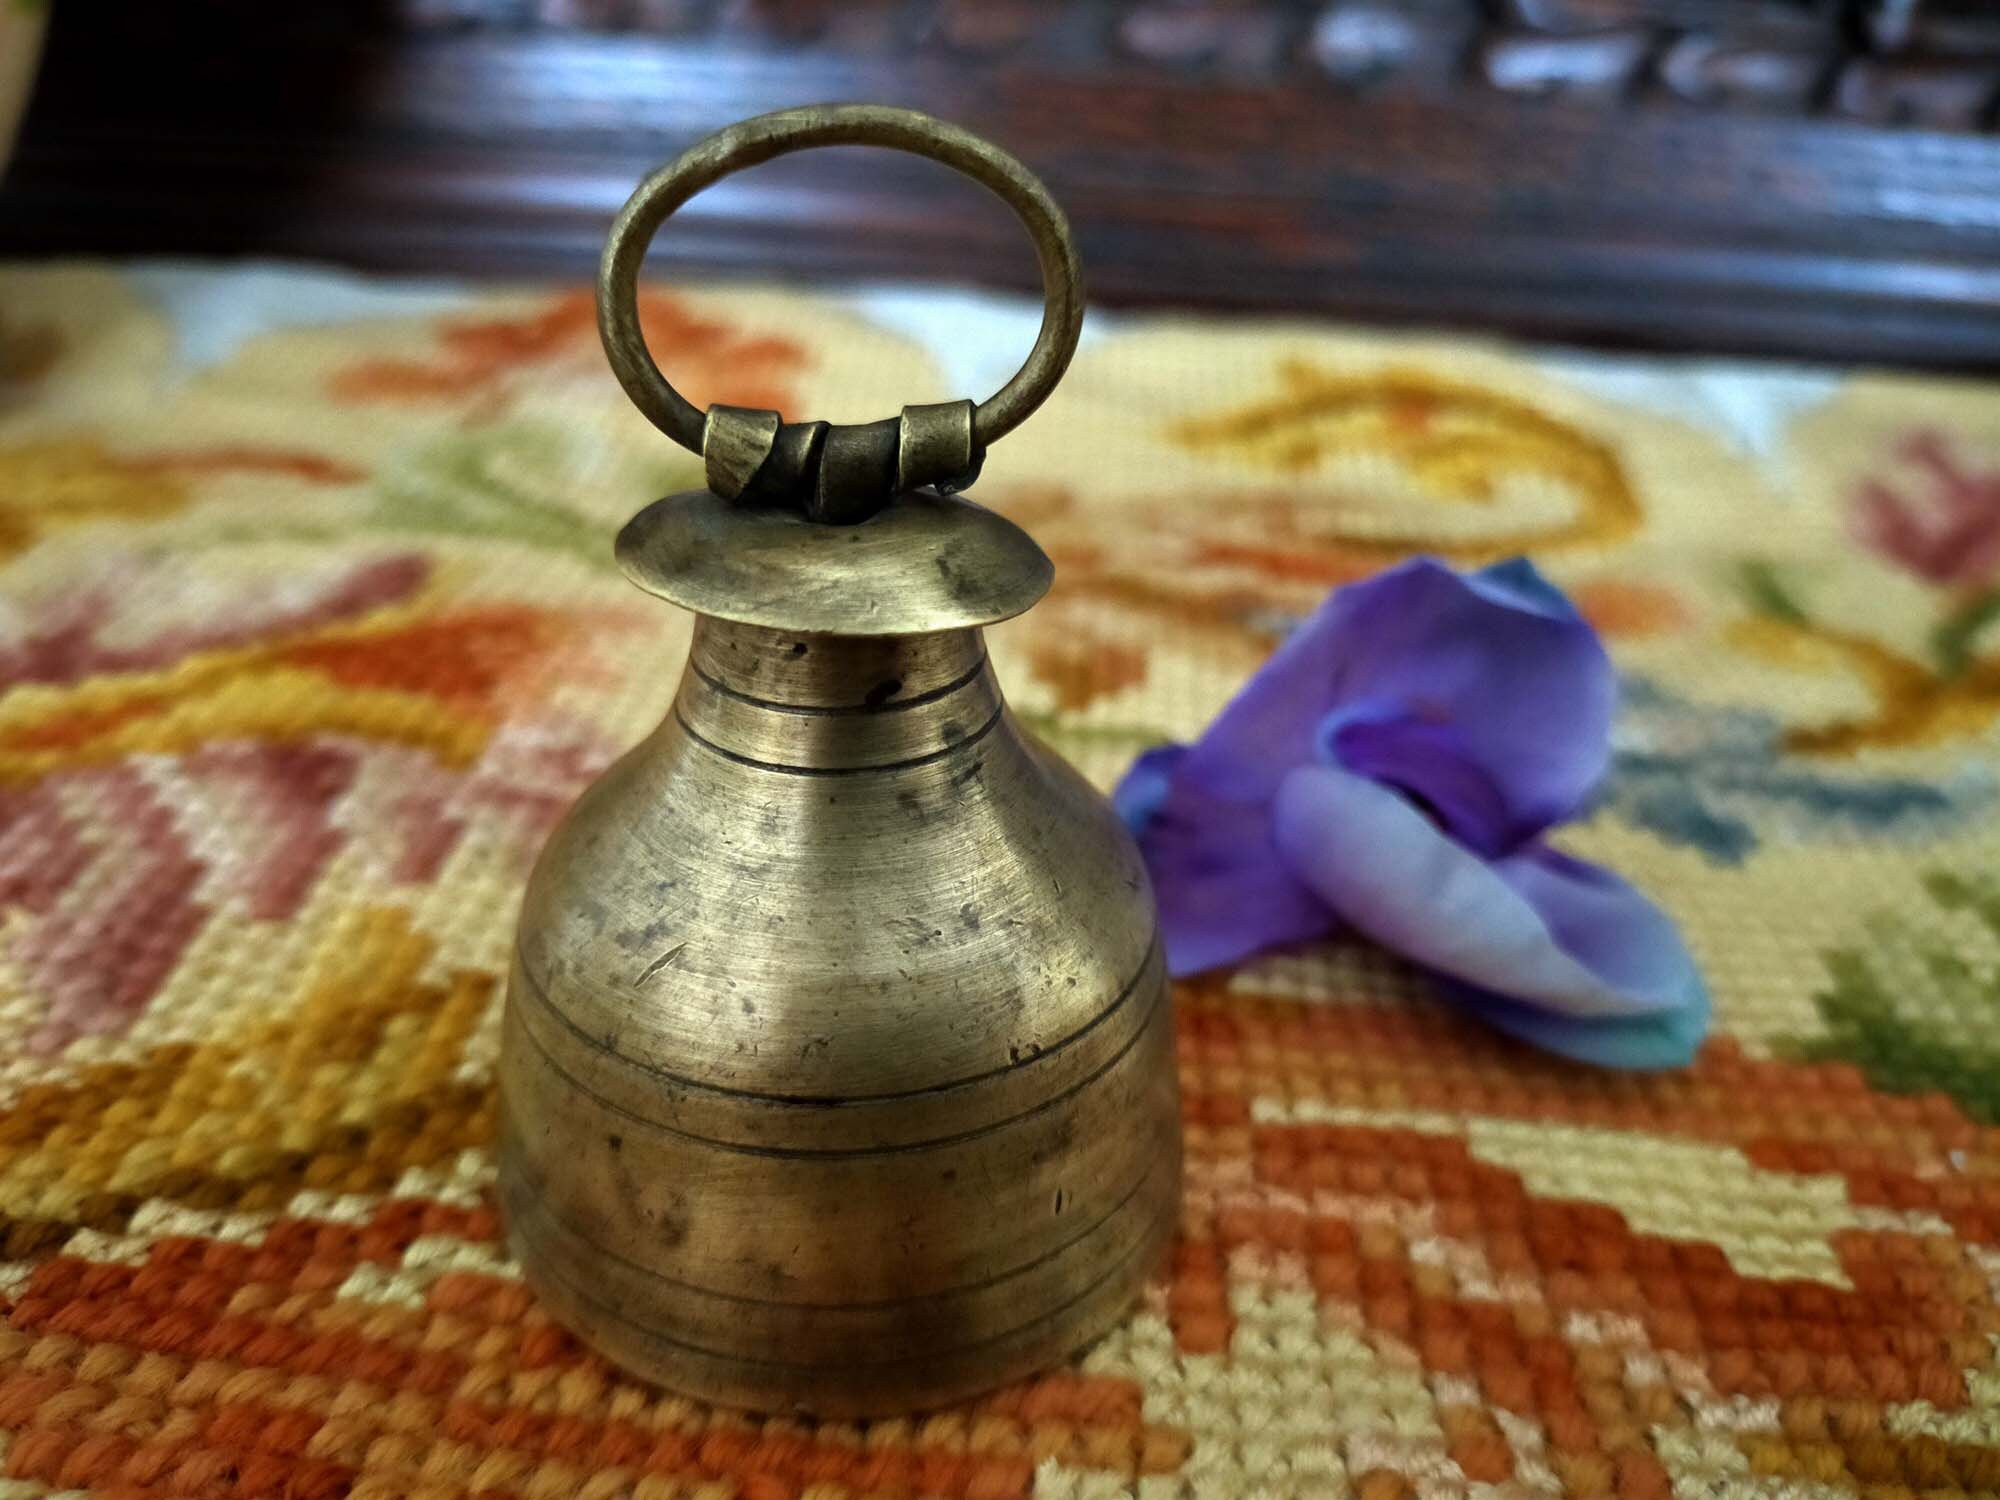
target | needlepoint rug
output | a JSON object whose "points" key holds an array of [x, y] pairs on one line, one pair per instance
{"points": [[311, 630]]}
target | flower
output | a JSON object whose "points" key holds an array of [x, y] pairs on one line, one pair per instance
{"points": [[1394, 768], [1953, 538]]}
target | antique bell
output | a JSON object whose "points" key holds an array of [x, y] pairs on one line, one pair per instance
{"points": [[838, 1071]]}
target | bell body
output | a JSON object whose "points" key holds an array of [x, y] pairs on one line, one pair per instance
{"points": [[838, 1071]]}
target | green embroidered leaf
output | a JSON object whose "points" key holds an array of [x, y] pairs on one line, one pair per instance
{"points": [[505, 482], [1768, 593], [1957, 635], [1956, 893], [1919, 1009]]}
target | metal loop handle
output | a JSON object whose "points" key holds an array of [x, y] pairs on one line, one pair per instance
{"points": [[846, 472]]}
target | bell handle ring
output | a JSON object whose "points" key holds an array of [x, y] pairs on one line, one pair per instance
{"points": [[843, 473]]}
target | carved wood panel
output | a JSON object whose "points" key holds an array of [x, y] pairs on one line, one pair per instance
{"points": [[1799, 176]]}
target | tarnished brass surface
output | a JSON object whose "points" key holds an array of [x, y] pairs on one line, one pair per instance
{"points": [[938, 438], [928, 562], [837, 1070], [736, 441], [836, 473]]}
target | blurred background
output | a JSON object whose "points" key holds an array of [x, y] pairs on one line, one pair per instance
{"points": [[1811, 178]]}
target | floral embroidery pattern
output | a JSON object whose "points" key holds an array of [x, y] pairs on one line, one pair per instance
{"points": [[1950, 536], [489, 357], [1462, 444], [1719, 780], [503, 482], [1915, 1009], [48, 486], [294, 675], [1949, 540], [146, 785]]}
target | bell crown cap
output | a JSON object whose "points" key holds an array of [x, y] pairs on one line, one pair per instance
{"points": [[928, 562]]}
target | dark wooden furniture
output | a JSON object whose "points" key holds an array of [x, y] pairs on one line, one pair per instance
{"points": [[1805, 177]]}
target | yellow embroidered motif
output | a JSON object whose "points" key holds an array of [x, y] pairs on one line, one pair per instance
{"points": [[48, 485], [1462, 444]]}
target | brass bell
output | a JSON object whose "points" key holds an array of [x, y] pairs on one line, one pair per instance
{"points": [[838, 1070]]}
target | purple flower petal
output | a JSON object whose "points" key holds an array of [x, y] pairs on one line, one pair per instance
{"points": [[1489, 681], [1429, 761], [1538, 927], [1498, 662], [1607, 926], [1144, 788], [1659, 1039], [1273, 722], [1223, 892]]}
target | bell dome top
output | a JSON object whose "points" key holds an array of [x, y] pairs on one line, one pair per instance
{"points": [[928, 562]]}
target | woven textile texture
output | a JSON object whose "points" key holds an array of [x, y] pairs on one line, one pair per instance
{"points": [[311, 631]]}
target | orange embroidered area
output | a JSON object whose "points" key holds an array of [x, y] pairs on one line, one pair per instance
{"points": [[476, 356]]}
